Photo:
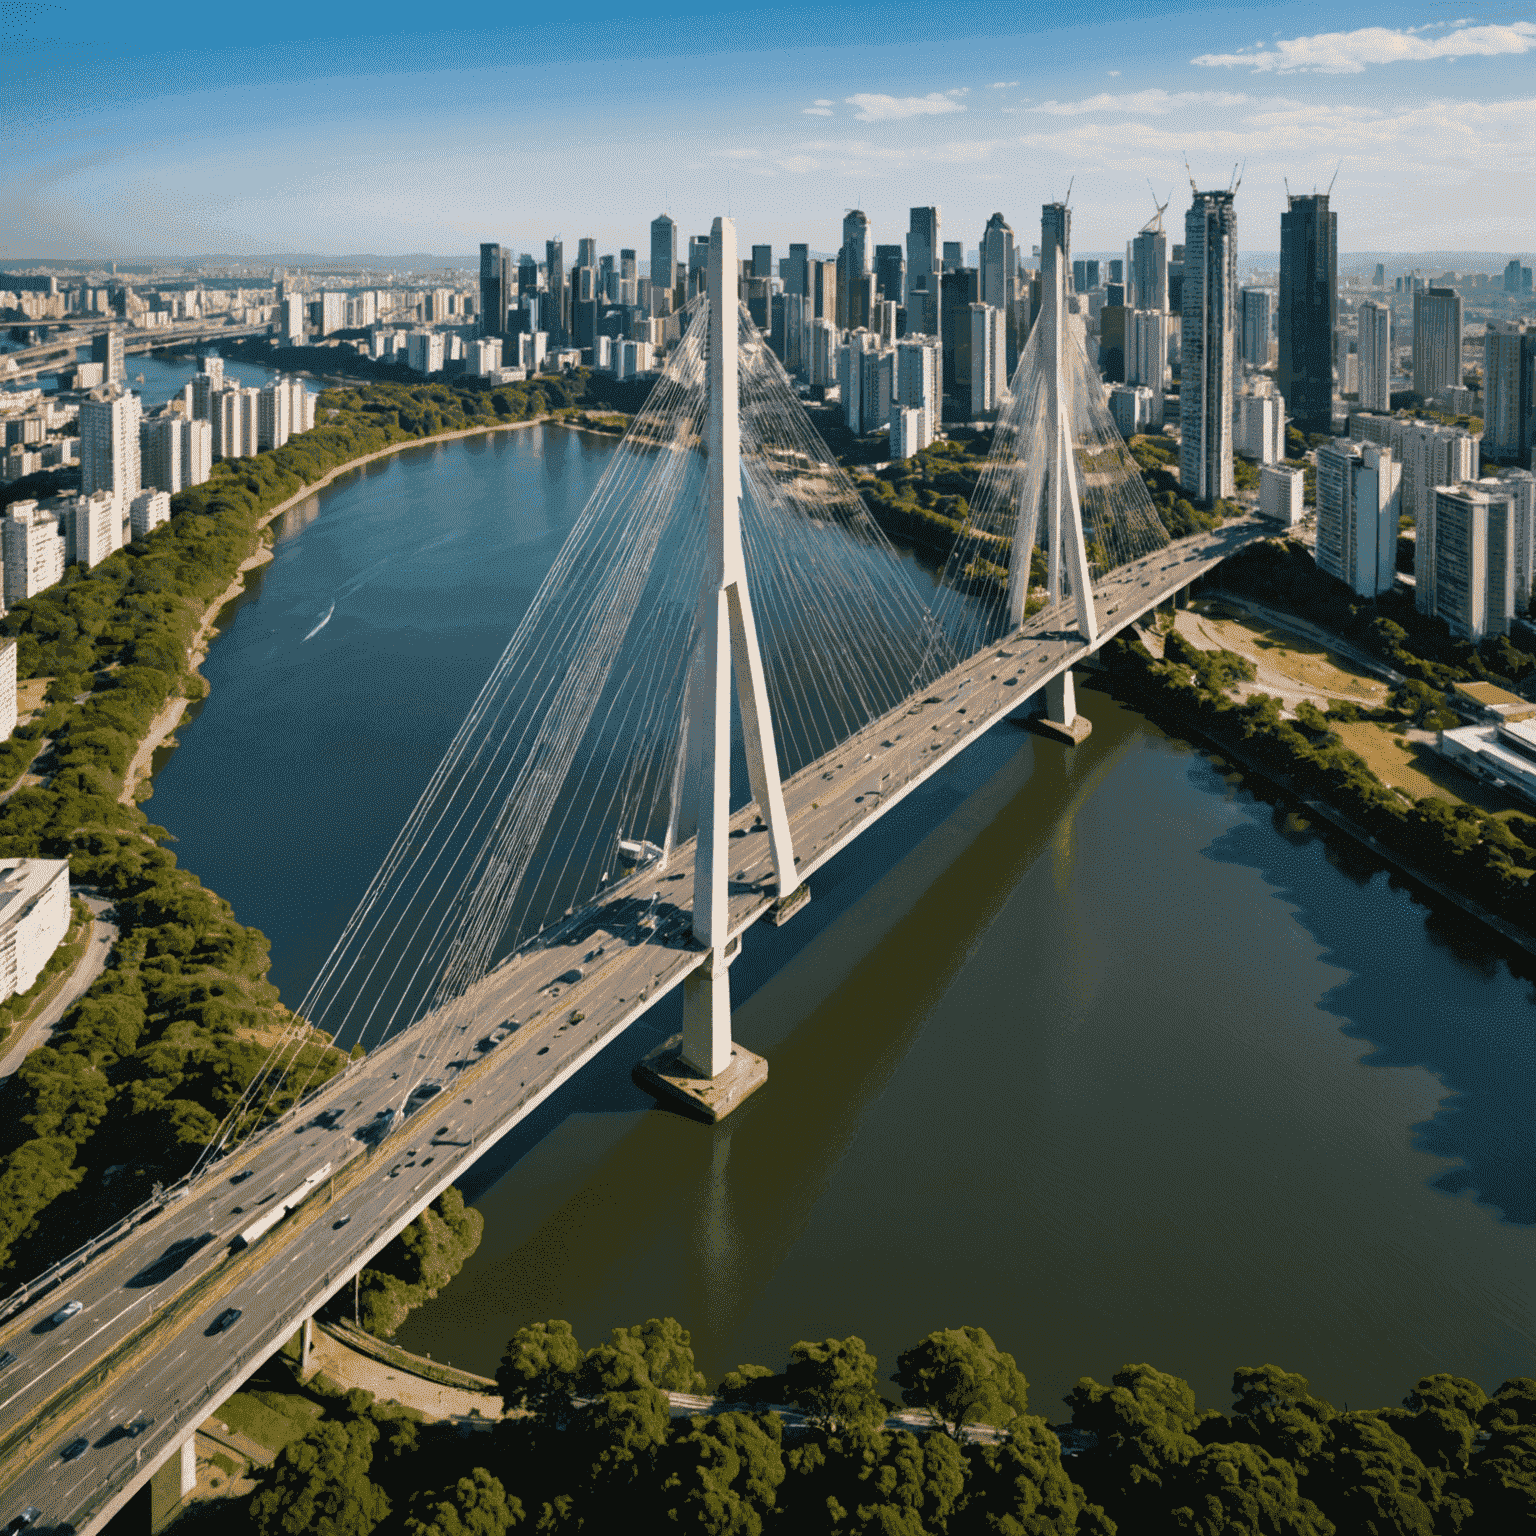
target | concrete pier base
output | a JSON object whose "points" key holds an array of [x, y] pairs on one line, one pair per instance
{"points": [[786, 906], [1061, 721], [664, 1073]]}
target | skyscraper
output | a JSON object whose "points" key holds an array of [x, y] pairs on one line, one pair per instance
{"points": [[109, 444], [495, 287], [663, 262], [923, 263], [794, 270], [1055, 242], [989, 372], [1357, 511], [1309, 309], [890, 273], [1148, 272], [853, 264], [1208, 348], [1509, 390], [1256, 327], [108, 350], [554, 283], [1436, 340], [997, 263], [1375, 352]]}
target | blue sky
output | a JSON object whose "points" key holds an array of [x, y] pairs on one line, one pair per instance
{"points": [[186, 128]]}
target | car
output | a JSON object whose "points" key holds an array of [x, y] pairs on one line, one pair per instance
{"points": [[75, 1449], [23, 1520], [66, 1312], [137, 1426], [336, 1224], [242, 1176], [227, 1319], [429, 1089], [7, 1357]]}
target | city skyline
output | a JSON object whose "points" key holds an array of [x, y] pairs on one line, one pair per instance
{"points": [[434, 141]]}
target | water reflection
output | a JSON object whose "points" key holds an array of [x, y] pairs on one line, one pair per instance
{"points": [[1449, 1004]]}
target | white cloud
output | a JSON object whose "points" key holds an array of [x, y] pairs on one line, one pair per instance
{"points": [[1150, 103], [1002, 85], [1115, 74], [817, 111], [1348, 53], [886, 109]]}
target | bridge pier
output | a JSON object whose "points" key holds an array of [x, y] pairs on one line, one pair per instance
{"points": [[1061, 720], [169, 1487]]}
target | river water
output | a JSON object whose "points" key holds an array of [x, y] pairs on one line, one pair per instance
{"points": [[1091, 1048]]}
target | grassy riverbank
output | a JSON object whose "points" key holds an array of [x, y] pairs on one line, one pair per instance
{"points": [[141, 1070]]}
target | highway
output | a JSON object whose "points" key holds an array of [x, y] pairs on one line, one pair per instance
{"points": [[144, 1342], [49, 356]]}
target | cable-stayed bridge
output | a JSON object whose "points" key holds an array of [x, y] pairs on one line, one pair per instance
{"points": [[726, 677]]}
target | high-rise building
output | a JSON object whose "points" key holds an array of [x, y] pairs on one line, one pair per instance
{"points": [[235, 415], [918, 384], [1208, 348], [1436, 341], [890, 274], [762, 261], [175, 453], [794, 270], [1509, 390], [284, 408], [1055, 243], [1148, 269], [93, 526], [989, 367], [292, 323], [147, 511], [7, 688], [107, 349], [998, 264], [1521, 485], [924, 262], [1358, 502], [1256, 327], [1146, 353], [1281, 491], [954, 256], [1374, 349], [333, 312], [109, 443], [1474, 559], [663, 262], [424, 351], [495, 287], [823, 290], [32, 550], [1309, 309], [853, 265], [1258, 427], [958, 289], [554, 285]]}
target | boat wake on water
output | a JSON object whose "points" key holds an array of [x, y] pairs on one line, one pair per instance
{"points": [[321, 625]]}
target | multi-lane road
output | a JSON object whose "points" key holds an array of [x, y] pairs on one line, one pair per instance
{"points": [[145, 1342], [49, 356]]}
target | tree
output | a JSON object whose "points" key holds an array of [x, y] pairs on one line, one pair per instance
{"points": [[538, 1370], [961, 1377], [658, 1352], [1276, 1410], [320, 1485], [1145, 1424], [725, 1473], [1241, 1490], [1021, 1488], [1368, 1479], [836, 1384], [476, 1505]]}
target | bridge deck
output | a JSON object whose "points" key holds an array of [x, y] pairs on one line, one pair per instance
{"points": [[143, 1344]]}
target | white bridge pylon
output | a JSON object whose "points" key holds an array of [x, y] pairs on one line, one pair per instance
{"points": [[727, 643], [1067, 548]]}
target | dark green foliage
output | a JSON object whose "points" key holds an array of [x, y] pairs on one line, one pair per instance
{"points": [[419, 1262], [538, 1371], [476, 1505], [320, 1483], [961, 1377], [835, 1384], [1284, 1463]]}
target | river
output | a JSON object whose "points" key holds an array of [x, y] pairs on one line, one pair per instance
{"points": [[1092, 1048]]}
